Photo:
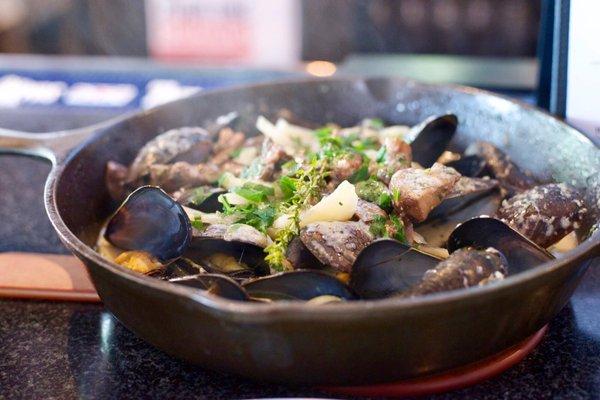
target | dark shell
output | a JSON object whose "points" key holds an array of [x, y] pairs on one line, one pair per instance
{"points": [[387, 267], [464, 268], [546, 213], [483, 232], [151, 221], [472, 166], [205, 245], [442, 223], [217, 285], [431, 137], [464, 193], [179, 268], [189, 144], [336, 244], [501, 167], [298, 285], [300, 257], [591, 220]]}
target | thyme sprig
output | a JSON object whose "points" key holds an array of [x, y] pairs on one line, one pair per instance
{"points": [[302, 188]]}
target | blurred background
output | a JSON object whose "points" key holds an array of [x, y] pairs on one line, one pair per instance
{"points": [[139, 53]]}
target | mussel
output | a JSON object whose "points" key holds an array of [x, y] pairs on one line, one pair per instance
{"points": [[464, 268], [464, 193], [430, 138], [298, 285], [388, 267], [151, 221], [215, 284], [189, 144], [233, 250], [471, 166], [546, 213], [483, 232], [502, 168]]}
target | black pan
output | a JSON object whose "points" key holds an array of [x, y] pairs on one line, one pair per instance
{"points": [[348, 343]]}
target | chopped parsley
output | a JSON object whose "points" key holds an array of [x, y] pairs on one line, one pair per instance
{"points": [[380, 228], [374, 191], [361, 174], [198, 224], [377, 227], [287, 186], [254, 192], [398, 228]]}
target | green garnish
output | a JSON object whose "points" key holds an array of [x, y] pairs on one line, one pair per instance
{"points": [[287, 186], [376, 123], [361, 174], [376, 192], [396, 195], [198, 224], [377, 227], [398, 225], [381, 153], [385, 201], [307, 182], [236, 152], [254, 192]]}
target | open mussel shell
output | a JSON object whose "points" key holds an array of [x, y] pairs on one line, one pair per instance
{"points": [[483, 232], [472, 166], [430, 138], [298, 285], [215, 284], [220, 256], [179, 268], [150, 220], [468, 191], [388, 267]]}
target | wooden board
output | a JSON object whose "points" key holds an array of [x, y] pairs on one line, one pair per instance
{"points": [[45, 277]]}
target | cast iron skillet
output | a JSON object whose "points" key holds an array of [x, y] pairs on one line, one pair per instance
{"points": [[350, 343]]}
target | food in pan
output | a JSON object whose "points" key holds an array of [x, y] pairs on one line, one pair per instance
{"points": [[328, 214]]}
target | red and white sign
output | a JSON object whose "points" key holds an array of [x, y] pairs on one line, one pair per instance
{"points": [[251, 32]]}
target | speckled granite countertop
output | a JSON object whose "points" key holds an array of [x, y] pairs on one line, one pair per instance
{"points": [[70, 350]]}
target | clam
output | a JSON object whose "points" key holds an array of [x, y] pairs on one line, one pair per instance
{"points": [[215, 284], [483, 232], [388, 267], [151, 221], [430, 138], [233, 250], [298, 285]]}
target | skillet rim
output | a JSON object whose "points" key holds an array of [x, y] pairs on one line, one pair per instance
{"points": [[299, 310]]}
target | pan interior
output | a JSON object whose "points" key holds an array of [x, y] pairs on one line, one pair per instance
{"points": [[537, 142]]}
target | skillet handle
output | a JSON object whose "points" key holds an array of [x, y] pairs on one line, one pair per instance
{"points": [[51, 146]]}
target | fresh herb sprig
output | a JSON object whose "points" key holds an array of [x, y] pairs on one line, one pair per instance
{"points": [[300, 189]]}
